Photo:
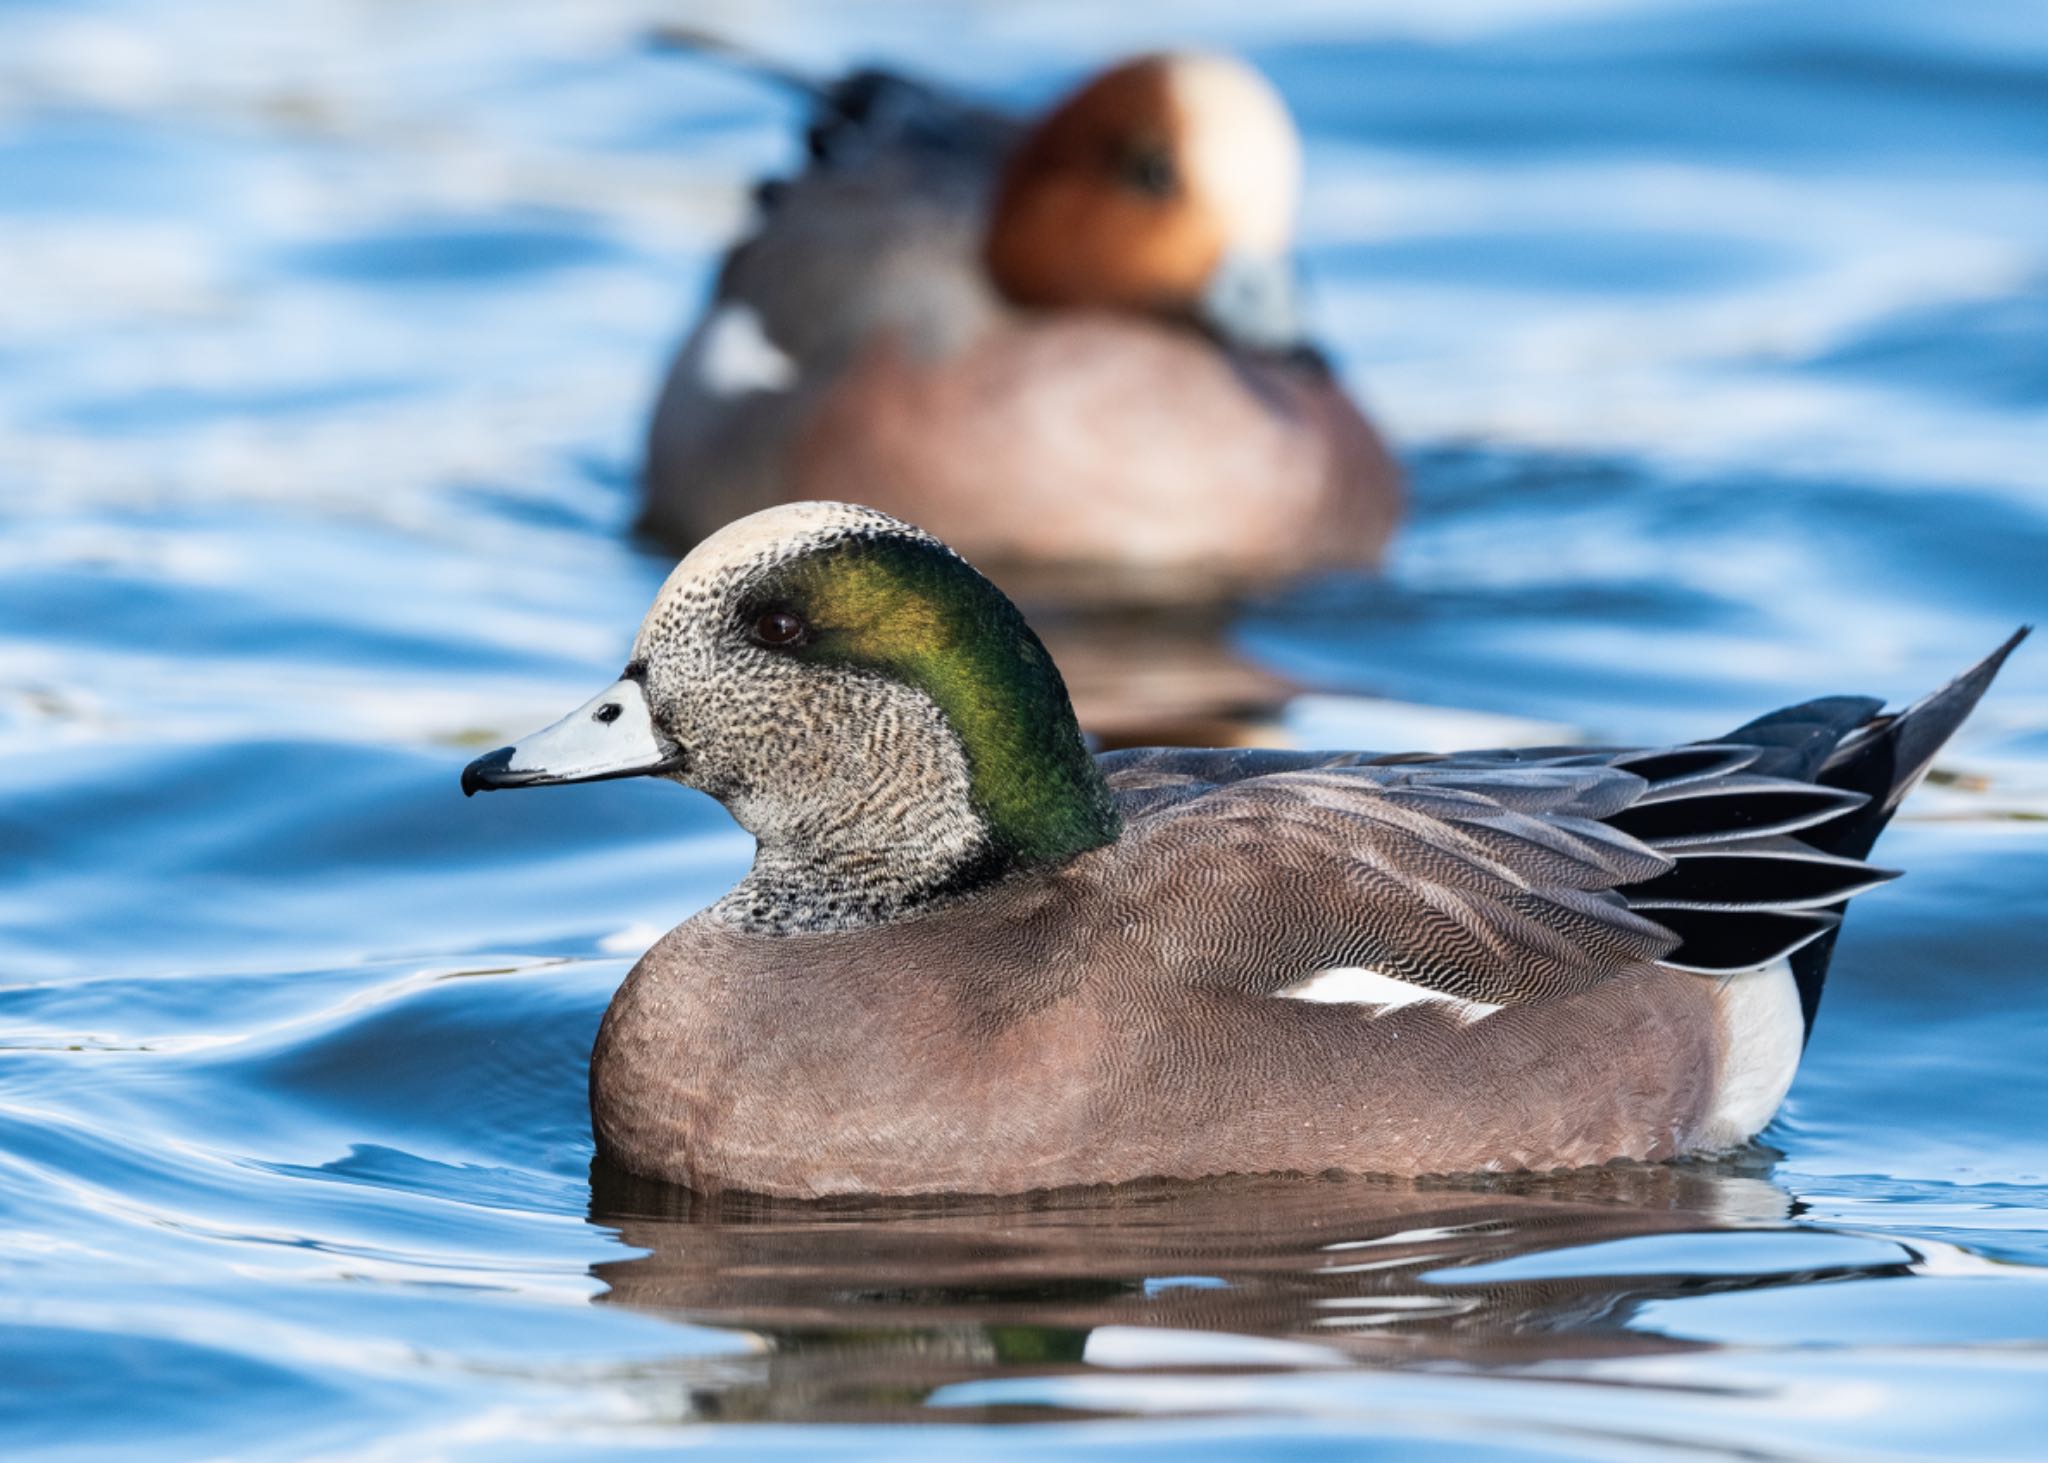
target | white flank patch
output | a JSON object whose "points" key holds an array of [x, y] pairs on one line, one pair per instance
{"points": [[1354, 985], [736, 356], [1762, 1033]]}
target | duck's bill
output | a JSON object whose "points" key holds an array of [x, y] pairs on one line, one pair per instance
{"points": [[1254, 300], [611, 735]]}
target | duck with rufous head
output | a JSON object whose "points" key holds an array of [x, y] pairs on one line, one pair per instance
{"points": [[1071, 346]]}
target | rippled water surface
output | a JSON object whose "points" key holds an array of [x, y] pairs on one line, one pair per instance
{"points": [[1716, 336]]}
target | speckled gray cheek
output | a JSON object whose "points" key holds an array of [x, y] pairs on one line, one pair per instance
{"points": [[694, 667], [858, 792]]}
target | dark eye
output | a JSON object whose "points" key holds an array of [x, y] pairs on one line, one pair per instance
{"points": [[778, 627], [1149, 170]]}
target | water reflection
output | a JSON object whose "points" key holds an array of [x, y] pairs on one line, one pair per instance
{"points": [[1142, 678], [901, 1311]]}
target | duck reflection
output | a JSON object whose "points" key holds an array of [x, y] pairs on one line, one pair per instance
{"points": [[1158, 678], [865, 1311]]}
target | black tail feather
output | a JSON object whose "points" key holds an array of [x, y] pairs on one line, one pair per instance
{"points": [[1669, 767], [1797, 741], [1882, 760], [1886, 756], [1775, 873], [1712, 943], [1697, 814], [1767, 828]]}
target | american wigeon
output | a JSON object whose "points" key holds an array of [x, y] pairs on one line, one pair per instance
{"points": [[969, 956], [1069, 348]]}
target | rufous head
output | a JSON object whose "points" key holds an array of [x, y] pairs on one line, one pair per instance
{"points": [[1168, 184]]}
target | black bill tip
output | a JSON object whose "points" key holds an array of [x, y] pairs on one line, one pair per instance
{"points": [[487, 773]]}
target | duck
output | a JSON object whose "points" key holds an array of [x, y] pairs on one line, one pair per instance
{"points": [[972, 956], [1073, 347]]}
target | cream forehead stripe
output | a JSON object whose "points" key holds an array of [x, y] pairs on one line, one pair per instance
{"points": [[1242, 151], [772, 533]]}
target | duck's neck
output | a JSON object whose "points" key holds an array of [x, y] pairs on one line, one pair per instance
{"points": [[805, 893], [936, 817], [871, 842]]}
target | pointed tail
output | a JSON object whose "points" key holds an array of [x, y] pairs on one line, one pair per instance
{"points": [[1882, 759]]}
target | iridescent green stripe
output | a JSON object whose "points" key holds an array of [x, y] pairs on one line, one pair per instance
{"points": [[918, 613]]}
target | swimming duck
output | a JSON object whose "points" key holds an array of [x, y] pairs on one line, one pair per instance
{"points": [[971, 957], [1071, 348]]}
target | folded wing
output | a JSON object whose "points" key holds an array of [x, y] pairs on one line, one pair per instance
{"points": [[1498, 878]]}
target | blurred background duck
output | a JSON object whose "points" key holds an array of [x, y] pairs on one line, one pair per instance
{"points": [[1070, 345]]}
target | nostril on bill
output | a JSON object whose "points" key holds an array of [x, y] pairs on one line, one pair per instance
{"points": [[609, 712]]}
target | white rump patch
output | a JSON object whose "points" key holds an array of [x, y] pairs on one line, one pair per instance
{"points": [[1354, 985], [1762, 1033], [736, 356]]}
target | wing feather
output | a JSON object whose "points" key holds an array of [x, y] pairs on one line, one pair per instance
{"points": [[1480, 887], [1497, 877]]}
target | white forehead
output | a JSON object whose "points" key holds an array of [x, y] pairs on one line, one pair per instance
{"points": [[1240, 147], [762, 538], [776, 533]]}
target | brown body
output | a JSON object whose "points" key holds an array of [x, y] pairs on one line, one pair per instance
{"points": [[1132, 459], [793, 1066]]}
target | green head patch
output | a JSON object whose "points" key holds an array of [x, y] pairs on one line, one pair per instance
{"points": [[913, 610]]}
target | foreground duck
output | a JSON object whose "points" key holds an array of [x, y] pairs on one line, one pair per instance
{"points": [[971, 957], [1069, 346]]}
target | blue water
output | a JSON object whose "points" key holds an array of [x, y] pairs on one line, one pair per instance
{"points": [[1716, 336]]}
